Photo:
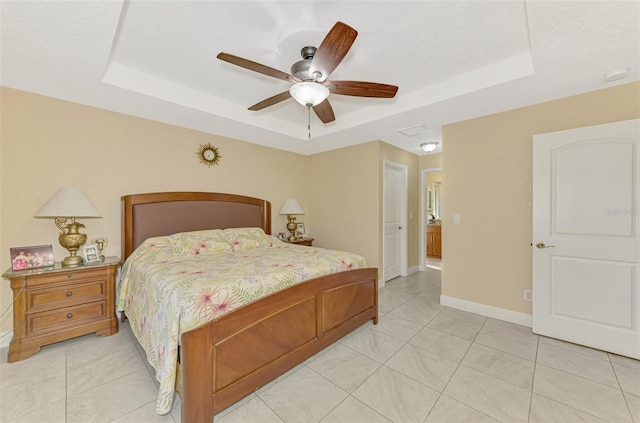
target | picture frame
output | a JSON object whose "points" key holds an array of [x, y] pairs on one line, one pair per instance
{"points": [[91, 254], [300, 231], [33, 257]]}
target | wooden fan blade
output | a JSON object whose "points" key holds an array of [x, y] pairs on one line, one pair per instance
{"points": [[334, 47], [324, 112], [362, 89], [271, 101], [256, 67]]}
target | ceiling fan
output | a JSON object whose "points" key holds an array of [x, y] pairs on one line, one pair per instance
{"points": [[309, 76]]}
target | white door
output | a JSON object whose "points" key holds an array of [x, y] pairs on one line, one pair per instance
{"points": [[394, 206], [586, 249]]}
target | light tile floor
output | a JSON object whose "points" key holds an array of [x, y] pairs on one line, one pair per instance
{"points": [[421, 363]]}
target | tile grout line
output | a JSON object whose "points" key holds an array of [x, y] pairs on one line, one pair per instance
{"points": [[586, 379], [604, 385], [453, 374], [66, 386], [471, 342], [622, 391], [429, 387], [570, 406], [560, 345], [579, 376], [405, 343], [533, 379], [350, 394]]}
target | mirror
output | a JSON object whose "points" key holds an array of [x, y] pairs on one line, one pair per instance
{"points": [[437, 195], [433, 198]]}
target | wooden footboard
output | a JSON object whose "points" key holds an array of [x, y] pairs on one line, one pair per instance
{"points": [[232, 356]]}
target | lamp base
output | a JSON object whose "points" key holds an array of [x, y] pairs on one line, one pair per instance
{"points": [[72, 261], [71, 239], [291, 227]]}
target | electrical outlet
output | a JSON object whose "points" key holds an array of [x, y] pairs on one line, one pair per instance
{"points": [[528, 295]]}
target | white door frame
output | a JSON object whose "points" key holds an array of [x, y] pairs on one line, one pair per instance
{"points": [[403, 216], [423, 214]]}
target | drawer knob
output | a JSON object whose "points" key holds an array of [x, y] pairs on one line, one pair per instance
{"points": [[69, 316], [69, 276], [69, 293]]}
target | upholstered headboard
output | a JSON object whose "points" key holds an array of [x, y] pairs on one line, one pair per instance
{"points": [[165, 213]]}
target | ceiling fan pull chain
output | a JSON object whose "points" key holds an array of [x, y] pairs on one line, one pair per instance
{"points": [[309, 119]]}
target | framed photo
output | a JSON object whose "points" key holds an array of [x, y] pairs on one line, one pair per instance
{"points": [[31, 257], [90, 254], [300, 232]]}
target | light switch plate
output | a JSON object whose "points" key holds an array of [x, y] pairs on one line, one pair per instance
{"points": [[456, 218]]}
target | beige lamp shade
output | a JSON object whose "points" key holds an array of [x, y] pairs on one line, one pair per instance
{"points": [[68, 202], [291, 206]]}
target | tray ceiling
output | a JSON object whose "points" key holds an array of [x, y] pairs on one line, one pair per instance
{"points": [[451, 60]]}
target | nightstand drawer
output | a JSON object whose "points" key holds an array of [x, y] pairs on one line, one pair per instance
{"points": [[60, 319], [67, 277], [64, 296]]}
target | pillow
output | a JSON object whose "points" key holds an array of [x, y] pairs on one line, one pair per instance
{"points": [[246, 238], [206, 242], [154, 245], [158, 242]]}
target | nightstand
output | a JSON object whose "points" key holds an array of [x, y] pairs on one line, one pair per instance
{"points": [[301, 241], [55, 304]]}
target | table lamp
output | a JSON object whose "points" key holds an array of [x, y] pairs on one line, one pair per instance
{"points": [[290, 208], [69, 203]]}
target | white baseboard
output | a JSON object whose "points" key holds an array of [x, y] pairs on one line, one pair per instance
{"points": [[487, 310], [412, 270]]}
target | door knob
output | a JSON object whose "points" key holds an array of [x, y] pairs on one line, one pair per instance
{"points": [[400, 227], [541, 245]]}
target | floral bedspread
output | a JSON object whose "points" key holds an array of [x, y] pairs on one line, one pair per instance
{"points": [[167, 287]]}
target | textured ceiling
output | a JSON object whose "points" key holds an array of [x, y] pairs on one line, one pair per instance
{"points": [[452, 60]]}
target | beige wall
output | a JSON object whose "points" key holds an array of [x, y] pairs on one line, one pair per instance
{"points": [[48, 143], [344, 197], [430, 161], [488, 170], [347, 188]]}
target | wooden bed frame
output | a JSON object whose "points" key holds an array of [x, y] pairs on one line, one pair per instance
{"points": [[237, 353]]}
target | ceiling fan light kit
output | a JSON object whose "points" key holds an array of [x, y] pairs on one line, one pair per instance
{"points": [[309, 75], [309, 93]]}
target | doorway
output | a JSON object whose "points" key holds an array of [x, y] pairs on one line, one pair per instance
{"points": [[431, 221]]}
